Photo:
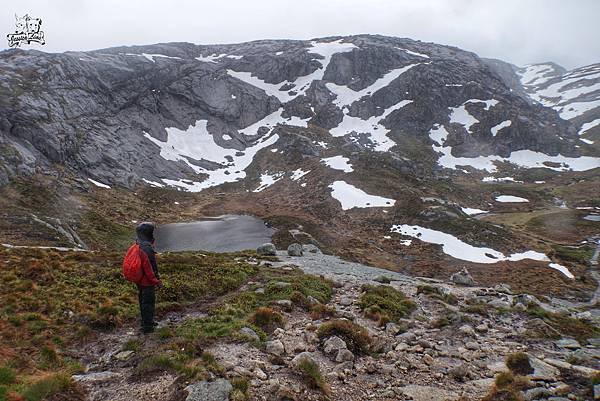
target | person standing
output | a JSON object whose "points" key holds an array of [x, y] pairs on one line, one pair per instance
{"points": [[150, 276]]}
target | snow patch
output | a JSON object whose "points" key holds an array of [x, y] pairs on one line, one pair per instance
{"points": [[266, 180], [503, 124], [297, 174], [472, 211], [458, 249], [522, 158], [153, 183], [413, 53], [372, 127], [350, 197], [510, 199], [338, 163]]}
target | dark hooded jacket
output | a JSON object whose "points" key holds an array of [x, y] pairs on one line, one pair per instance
{"points": [[145, 239]]}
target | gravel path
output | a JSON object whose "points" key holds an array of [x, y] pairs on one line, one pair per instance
{"points": [[337, 269]]}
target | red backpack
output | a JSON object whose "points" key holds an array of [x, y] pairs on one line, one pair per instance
{"points": [[132, 264]]}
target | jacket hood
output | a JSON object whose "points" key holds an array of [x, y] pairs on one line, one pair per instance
{"points": [[145, 232]]}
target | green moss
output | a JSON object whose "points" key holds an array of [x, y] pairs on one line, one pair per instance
{"points": [[580, 255], [7, 375], [436, 292], [566, 325], [389, 301], [103, 233]]}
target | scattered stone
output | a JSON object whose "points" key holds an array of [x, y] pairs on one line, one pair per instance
{"points": [[499, 304], [282, 285], [285, 304], [345, 301], [295, 250], [503, 288], [472, 345], [310, 248], [333, 345], [217, 390], [462, 278], [96, 377], [392, 328], [344, 355], [123, 355], [312, 300], [301, 356], [527, 300], [427, 393], [537, 393], [466, 330], [259, 374], [267, 249], [568, 343], [460, 372], [248, 332], [537, 328], [481, 328], [275, 347]]}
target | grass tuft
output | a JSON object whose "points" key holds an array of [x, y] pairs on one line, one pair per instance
{"points": [[356, 337], [385, 303]]}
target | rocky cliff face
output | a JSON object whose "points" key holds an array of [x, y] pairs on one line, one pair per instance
{"points": [[197, 116]]}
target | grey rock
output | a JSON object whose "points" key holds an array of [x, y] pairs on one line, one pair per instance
{"points": [[275, 347], [597, 392], [267, 249], [569, 343], [346, 301], [123, 355], [526, 299], [217, 390], [295, 250], [462, 277], [344, 355], [310, 248], [537, 393], [302, 356], [251, 334], [333, 344]]}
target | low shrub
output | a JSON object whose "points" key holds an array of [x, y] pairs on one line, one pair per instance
{"points": [[267, 319], [519, 364], [320, 311], [310, 371], [356, 337]]}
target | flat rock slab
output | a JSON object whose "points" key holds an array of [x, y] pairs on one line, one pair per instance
{"points": [[217, 390], [427, 393]]}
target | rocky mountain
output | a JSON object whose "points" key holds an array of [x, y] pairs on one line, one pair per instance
{"points": [[197, 116], [413, 156]]}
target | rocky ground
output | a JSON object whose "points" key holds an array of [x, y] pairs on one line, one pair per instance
{"points": [[452, 345]]}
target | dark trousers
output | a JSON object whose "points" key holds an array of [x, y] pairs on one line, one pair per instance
{"points": [[147, 298]]}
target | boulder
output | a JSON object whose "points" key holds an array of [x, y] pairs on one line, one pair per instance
{"points": [[310, 248], [275, 347], [526, 299], [344, 355], [248, 332], [462, 278], [217, 390], [302, 356], [267, 249], [294, 250], [333, 345]]}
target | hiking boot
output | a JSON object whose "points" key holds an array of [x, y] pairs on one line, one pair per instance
{"points": [[147, 330]]}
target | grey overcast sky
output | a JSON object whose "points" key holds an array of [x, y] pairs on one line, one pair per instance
{"points": [[519, 31]]}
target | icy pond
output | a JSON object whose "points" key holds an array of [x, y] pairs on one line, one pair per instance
{"points": [[226, 233], [592, 217]]}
